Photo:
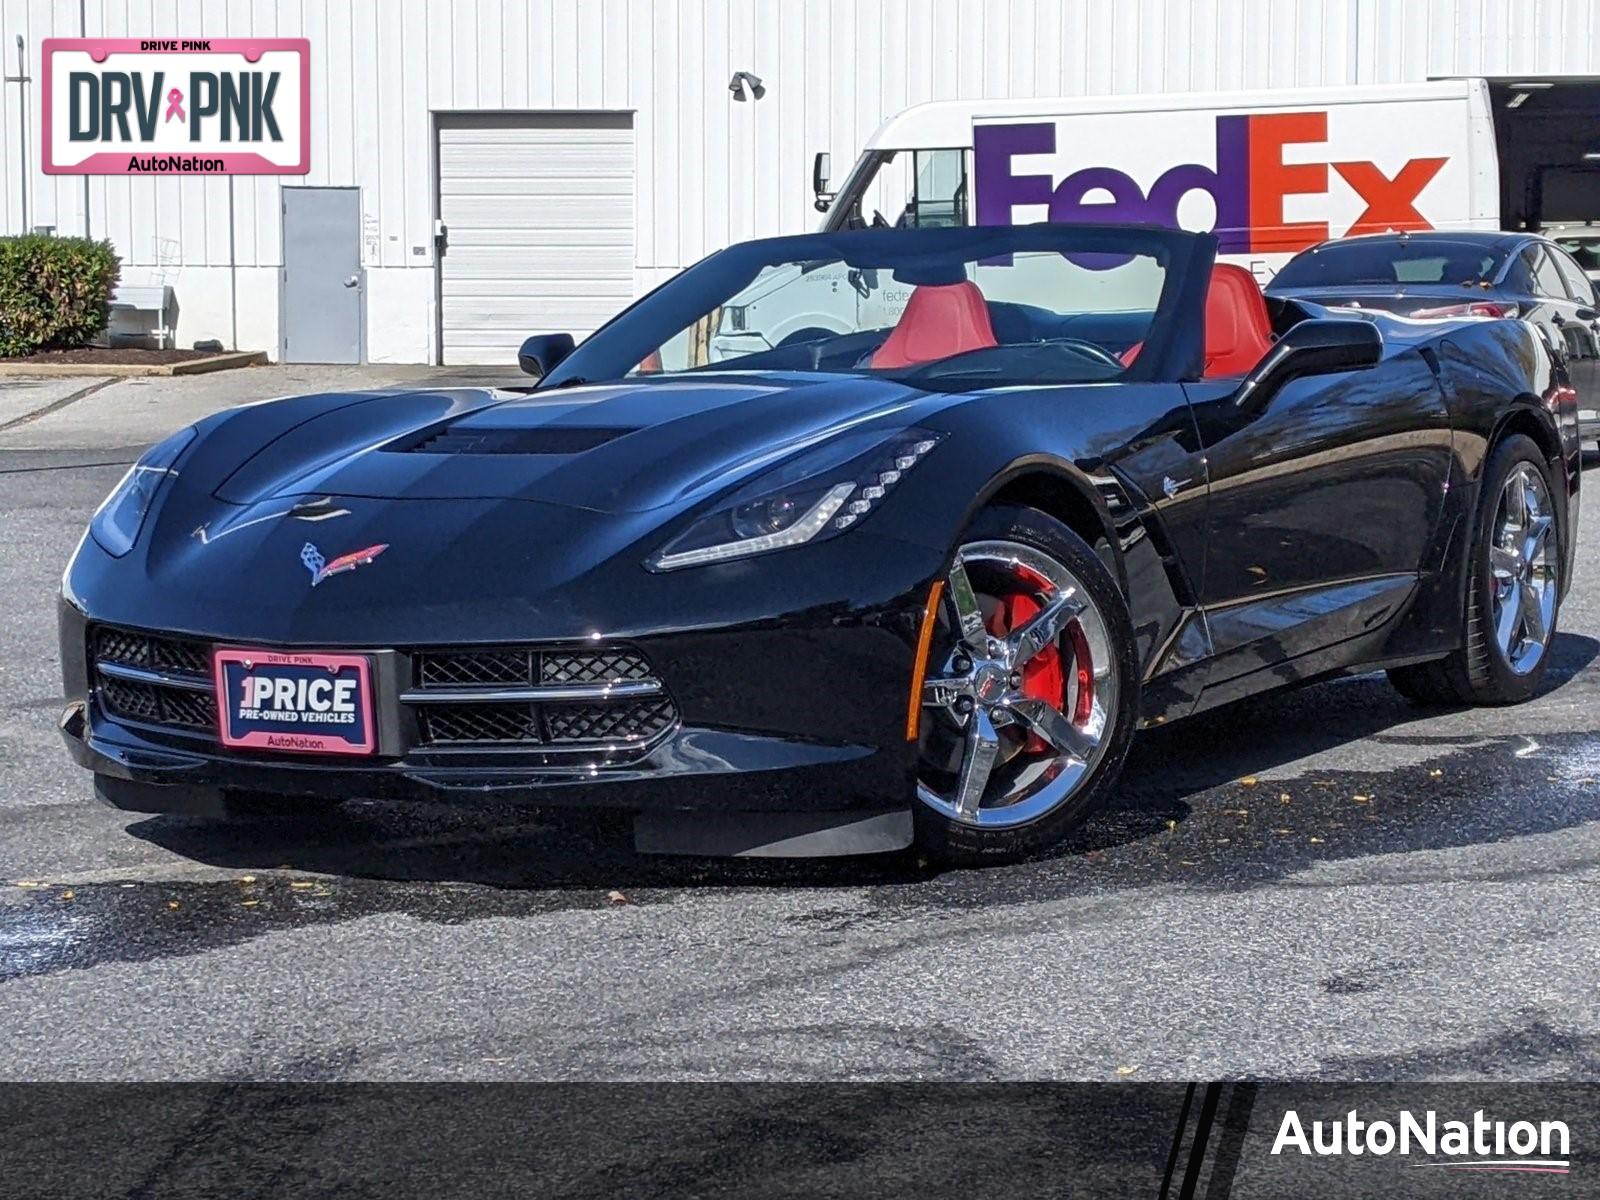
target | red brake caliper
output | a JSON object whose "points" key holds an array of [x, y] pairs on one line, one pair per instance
{"points": [[1042, 675]]}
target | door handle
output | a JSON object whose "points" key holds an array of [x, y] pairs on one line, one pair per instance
{"points": [[353, 281]]}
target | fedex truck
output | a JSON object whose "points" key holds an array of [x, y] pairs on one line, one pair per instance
{"points": [[1270, 172]]}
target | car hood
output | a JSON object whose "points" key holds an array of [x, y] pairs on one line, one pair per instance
{"points": [[613, 448]]}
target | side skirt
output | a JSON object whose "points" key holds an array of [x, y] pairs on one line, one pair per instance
{"points": [[1289, 638]]}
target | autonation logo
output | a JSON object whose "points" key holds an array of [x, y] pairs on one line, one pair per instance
{"points": [[1476, 1145]]}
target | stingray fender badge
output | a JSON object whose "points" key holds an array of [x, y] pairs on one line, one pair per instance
{"points": [[321, 568]]}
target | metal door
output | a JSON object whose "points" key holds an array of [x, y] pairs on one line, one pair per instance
{"points": [[537, 228], [321, 293]]}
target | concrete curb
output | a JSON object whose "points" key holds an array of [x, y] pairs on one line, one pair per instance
{"points": [[194, 366]]}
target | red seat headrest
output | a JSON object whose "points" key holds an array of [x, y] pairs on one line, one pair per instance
{"points": [[940, 320], [1238, 329]]}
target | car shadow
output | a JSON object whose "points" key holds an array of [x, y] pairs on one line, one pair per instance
{"points": [[1170, 773]]}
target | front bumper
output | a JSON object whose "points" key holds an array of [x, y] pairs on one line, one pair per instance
{"points": [[706, 770], [804, 718]]}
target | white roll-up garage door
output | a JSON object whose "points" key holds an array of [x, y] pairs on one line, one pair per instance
{"points": [[538, 214]]}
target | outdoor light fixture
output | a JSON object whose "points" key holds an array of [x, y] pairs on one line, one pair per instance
{"points": [[1524, 90], [746, 86]]}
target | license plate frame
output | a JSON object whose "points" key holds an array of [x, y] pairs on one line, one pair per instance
{"points": [[231, 666]]}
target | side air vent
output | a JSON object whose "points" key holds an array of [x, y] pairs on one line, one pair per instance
{"points": [[539, 440]]}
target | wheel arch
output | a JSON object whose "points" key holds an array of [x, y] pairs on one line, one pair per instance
{"points": [[1060, 490], [1527, 415]]}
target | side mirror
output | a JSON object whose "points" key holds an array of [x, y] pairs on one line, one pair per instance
{"points": [[543, 353], [821, 172], [1318, 347]]}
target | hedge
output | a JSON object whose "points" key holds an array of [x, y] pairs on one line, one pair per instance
{"points": [[53, 292]]}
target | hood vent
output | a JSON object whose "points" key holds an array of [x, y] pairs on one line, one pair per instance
{"points": [[538, 440]]}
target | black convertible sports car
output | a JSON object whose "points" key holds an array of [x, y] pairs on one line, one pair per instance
{"points": [[829, 542]]}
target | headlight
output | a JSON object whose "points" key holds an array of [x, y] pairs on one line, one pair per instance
{"points": [[117, 521], [818, 494]]}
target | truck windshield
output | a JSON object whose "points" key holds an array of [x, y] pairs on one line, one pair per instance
{"points": [[905, 189]]}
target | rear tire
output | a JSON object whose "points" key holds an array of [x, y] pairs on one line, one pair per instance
{"points": [[1513, 590], [1059, 712]]}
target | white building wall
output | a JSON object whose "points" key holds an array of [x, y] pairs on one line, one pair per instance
{"points": [[709, 171]]}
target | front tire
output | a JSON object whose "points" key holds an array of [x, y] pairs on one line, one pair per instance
{"points": [[1513, 591], [1031, 693]]}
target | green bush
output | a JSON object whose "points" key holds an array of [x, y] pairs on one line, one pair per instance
{"points": [[53, 292]]}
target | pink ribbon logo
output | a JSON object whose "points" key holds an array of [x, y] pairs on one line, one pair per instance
{"points": [[175, 105]]}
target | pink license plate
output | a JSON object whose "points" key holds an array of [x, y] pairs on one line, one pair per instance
{"points": [[294, 702]]}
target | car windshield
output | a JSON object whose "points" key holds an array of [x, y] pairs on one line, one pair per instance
{"points": [[953, 308], [1391, 261]]}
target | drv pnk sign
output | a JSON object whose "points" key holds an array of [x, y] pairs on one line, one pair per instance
{"points": [[177, 106]]}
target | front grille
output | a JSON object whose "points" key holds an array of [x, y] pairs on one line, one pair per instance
{"points": [[186, 704], [560, 719], [619, 724], [152, 652], [636, 722], [150, 704], [594, 667], [480, 723], [475, 668], [559, 700], [453, 669]]}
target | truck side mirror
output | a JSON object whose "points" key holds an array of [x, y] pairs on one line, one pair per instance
{"points": [[821, 172], [543, 353]]}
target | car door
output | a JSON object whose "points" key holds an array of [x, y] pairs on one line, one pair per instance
{"points": [[1323, 508], [1580, 323], [1534, 282]]}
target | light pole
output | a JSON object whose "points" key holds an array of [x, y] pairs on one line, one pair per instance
{"points": [[22, 79]]}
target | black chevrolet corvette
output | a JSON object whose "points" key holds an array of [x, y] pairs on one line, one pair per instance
{"points": [[830, 542]]}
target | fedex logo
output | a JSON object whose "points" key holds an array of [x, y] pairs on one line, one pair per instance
{"points": [[1249, 184]]}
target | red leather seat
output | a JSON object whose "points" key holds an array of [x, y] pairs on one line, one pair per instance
{"points": [[940, 320], [1238, 329]]}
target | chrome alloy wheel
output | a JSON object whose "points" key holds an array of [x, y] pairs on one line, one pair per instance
{"points": [[1015, 718], [1524, 566]]}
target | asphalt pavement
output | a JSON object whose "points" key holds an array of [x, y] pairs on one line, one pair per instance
{"points": [[1324, 884]]}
